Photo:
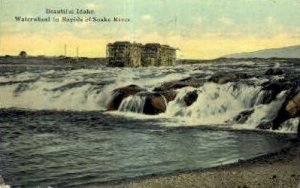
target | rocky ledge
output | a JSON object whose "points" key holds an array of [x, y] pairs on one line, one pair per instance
{"points": [[156, 100]]}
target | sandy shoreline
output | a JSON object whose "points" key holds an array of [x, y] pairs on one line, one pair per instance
{"points": [[281, 169]]}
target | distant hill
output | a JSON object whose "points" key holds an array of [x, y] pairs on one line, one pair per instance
{"points": [[285, 52]]}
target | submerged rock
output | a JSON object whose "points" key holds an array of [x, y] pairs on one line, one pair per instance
{"points": [[223, 78], [272, 89], [289, 109], [121, 93], [155, 103], [168, 89], [243, 116], [273, 72], [192, 82], [298, 131], [265, 125], [171, 86], [190, 98]]}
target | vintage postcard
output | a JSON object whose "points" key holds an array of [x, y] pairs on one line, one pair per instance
{"points": [[149, 93]]}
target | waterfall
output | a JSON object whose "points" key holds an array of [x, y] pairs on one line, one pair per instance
{"points": [[133, 103], [216, 104]]}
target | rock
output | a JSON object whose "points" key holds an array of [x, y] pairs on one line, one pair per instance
{"points": [[243, 116], [273, 72], [190, 97], [168, 89], [272, 89], [265, 125], [2, 183], [274, 177], [120, 94], [169, 95], [269, 96], [298, 130], [289, 109], [223, 78], [173, 85], [1, 180], [155, 103], [293, 106]]}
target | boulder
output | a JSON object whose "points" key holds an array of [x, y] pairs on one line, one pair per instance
{"points": [[265, 125], [243, 116], [289, 109], [223, 78], [273, 72], [121, 93], [1, 181], [293, 106], [190, 97], [173, 85], [155, 103], [169, 94], [194, 81], [168, 89], [298, 131], [272, 89]]}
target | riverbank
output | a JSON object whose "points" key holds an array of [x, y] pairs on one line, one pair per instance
{"points": [[275, 170]]}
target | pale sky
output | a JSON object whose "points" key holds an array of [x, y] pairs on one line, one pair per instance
{"points": [[201, 29]]}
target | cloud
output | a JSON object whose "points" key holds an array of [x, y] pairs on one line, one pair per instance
{"points": [[147, 18]]}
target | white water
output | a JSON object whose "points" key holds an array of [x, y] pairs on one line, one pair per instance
{"points": [[133, 104], [77, 90], [290, 125], [44, 93], [215, 104], [266, 112]]}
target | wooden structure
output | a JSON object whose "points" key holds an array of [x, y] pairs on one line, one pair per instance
{"points": [[126, 54]]}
